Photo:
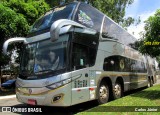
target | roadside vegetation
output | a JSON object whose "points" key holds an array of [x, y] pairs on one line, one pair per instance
{"points": [[128, 105]]}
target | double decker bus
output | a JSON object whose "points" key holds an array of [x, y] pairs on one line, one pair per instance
{"points": [[73, 54]]}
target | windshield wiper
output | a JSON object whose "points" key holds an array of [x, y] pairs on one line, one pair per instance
{"points": [[44, 71], [49, 70]]}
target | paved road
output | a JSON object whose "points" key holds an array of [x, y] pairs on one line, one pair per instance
{"points": [[8, 101]]}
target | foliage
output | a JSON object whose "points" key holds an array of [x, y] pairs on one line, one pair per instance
{"points": [[150, 40], [145, 99], [11, 24], [115, 9], [31, 10], [41, 6], [16, 16], [57, 2], [128, 21]]}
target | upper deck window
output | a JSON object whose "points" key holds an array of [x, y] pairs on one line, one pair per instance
{"points": [[110, 29], [89, 16], [63, 12]]}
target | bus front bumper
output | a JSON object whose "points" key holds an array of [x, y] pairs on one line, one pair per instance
{"points": [[57, 97]]}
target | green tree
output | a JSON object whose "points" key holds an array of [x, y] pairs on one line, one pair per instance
{"points": [[16, 17], [151, 37], [115, 9], [30, 9], [11, 24], [54, 3]]}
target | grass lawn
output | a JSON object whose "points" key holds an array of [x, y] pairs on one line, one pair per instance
{"points": [[140, 101]]}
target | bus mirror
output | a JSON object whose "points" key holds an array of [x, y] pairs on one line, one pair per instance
{"points": [[63, 26], [12, 40]]}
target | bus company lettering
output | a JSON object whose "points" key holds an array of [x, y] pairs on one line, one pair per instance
{"points": [[80, 83]]}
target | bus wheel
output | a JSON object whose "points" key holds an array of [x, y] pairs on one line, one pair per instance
{"points": [[117, 91], [103, 93]]}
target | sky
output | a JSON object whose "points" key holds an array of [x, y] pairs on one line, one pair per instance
{"points": [[142, 9]]}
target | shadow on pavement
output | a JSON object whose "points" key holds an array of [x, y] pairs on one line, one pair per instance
{"points": [[7, 92]]}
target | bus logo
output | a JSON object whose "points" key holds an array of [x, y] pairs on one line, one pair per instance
{"points": [[30, 91]]}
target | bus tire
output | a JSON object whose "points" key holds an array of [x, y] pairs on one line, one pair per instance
{"points": [[117, 91], [103, 93]]}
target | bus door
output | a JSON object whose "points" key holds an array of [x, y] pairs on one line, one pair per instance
{"points": [[80, 74]]}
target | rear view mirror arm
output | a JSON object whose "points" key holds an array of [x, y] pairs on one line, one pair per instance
{"points": [[63, 26], [12, 40]]}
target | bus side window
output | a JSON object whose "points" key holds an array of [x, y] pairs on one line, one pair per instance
{"points": [[92, 56], [110, 63], [79, 56], [89, 16], [110, 30], [83, 56], [106, 25]]}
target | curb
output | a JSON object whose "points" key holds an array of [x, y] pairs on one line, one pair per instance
{"points": [[7, 97]]}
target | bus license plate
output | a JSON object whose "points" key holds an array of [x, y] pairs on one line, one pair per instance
{"points": [[32, 102]]}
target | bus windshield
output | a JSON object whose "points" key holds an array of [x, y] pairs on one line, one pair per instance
{"points": [[63, 12], [43, 57]]}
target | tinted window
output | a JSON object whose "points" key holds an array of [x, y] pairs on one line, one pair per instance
{"points": [[119, 63], [112, 30], [86, 39], [92, 56], [89, 16], [64, 12], [106, 29], [82, 56]]}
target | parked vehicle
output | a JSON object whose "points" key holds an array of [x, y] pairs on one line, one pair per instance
{"points": [[10, 84]]}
